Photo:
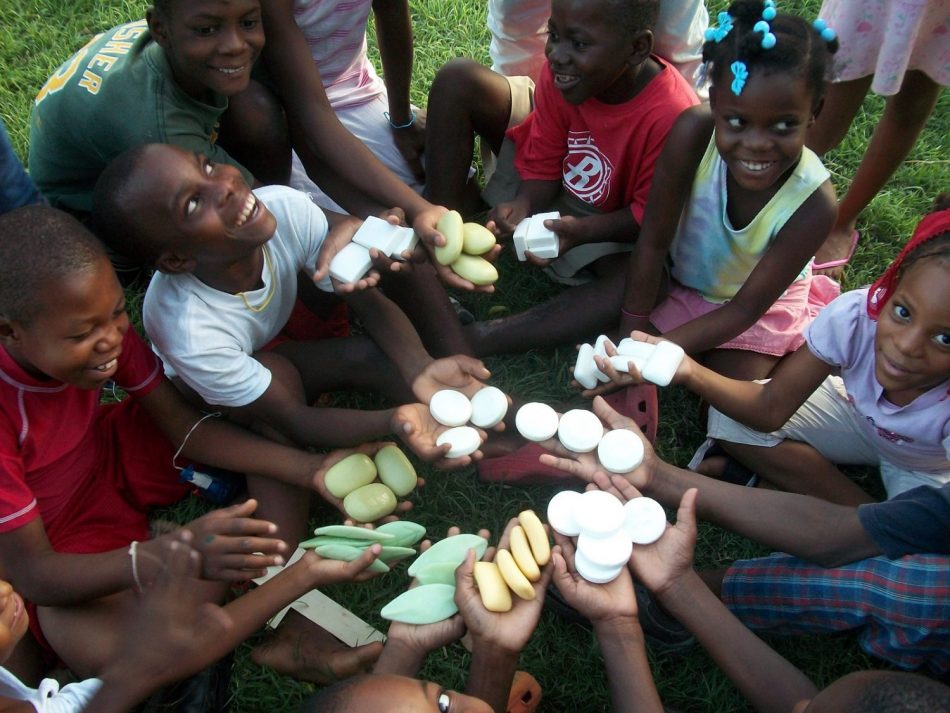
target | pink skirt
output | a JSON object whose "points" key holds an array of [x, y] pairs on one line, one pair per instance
{"points": [[779, 331]]}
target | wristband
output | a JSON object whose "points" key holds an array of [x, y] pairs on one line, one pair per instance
{"points": [[133, 555], [633, 315], [412, 120]]}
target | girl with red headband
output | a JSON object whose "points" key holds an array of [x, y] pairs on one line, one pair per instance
{"points": [[870, 386]]}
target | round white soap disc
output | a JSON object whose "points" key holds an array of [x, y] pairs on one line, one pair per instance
{"points": [[561, 513], [610, 551], [644, 520], [598, 513], [580, 431], [595, 573], [536, 421], [489, 407], [464, 440], [450, 408], [620, 451]]}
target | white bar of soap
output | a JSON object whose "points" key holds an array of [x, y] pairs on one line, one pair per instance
{"points": [[561, 513], [520, 234], [406, 241], [464, 440], [351, 263], [580, 431], [585, 371], [635, 349], [377, 233], [450, 407], [663, 363], [644, 520], [620, 451], [541, 241], [599, 513], [621, 363], [594, 573], [600, 349], [489, 406], [536, 421]]}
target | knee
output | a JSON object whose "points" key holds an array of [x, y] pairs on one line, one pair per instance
{"points": [[255, 117], [458, 82]]}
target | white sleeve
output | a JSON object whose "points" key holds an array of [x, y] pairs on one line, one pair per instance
{"points": [[72, 698], [307, 225], [833, 334]]}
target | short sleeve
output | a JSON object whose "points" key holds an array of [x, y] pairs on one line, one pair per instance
{"points": [[140, 371], [17, 502], [223, 374], [540, 140], [834, 335], [304, 226], [915, 522]]}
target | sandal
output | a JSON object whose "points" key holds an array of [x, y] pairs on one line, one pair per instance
{"points": [[855, 235], [733, 472], [525, 696]]}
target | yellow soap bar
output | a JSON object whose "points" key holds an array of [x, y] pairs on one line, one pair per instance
{"points": [[513, 576], [521, 551], [537, 537], [492, 587]]}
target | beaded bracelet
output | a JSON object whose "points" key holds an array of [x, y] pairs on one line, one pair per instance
{"points": [[412, 120]]}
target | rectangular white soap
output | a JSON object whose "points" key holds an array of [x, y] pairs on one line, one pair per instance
{"points": [[539, 240], [663, 363], [621, 362], [633, 348], [377, 233], [521, 232], [351, 263], [406, 240]]}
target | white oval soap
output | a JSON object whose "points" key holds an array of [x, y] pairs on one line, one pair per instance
{"points": [[644, 520], [450, 407], [595, 573], [620, 451], [464, 440], [536, 421], [489, 406], [561, 513], [611, 551], [580, 430], [599, 513]]}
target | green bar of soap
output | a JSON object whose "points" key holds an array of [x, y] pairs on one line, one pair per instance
{"points": [[451, 549], [437, 573], [392, 552], [355, 533], [348, 554], [369, 503], [351, 473], [404, 532], [425, 604], [395, 470]]}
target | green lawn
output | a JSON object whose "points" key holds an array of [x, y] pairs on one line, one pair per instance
{"points": [[35, 37]]}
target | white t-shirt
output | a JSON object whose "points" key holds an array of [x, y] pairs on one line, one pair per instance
{"points": [[49, 698], [208, 337]]}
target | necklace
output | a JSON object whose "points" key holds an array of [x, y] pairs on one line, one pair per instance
{"points": [[273, 286]]}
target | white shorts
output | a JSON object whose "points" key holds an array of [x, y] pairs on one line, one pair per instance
{"points": [[367, 123], [829, 424]]}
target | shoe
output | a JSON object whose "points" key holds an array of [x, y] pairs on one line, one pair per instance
{"points": [[733, 472], [855, 235], [638, 403], [525, 696], [464, 315], [662, 631]]}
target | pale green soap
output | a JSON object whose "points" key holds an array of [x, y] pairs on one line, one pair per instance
{"points": [[405, 532], [348, 554], [395, 470], [351, 473], [425, 604], [392, 552], [451, 549], [325, 540], [370, 502], [355, 533], [476, 239], [437, 573]]}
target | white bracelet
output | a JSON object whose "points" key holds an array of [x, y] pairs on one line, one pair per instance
{"points": [[133, 555]]}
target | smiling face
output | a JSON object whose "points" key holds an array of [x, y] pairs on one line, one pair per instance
{"points": [[76, 335], [589, 55], [912, 341], [211, 45], [760, 133], [13, 620], [195, 209]]}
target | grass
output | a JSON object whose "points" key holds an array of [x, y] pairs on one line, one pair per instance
{"points": [[36, 37]]}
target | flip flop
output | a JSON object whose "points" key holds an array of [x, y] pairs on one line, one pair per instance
{"points": [[525, 695], [840, 261]]}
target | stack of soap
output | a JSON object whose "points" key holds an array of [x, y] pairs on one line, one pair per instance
{"points": [[464, 245], [657, 363], [434, 570], [354, 480], [354, 261], [514, 569], [342, 542], [605, 529], [531, 236], [485, 409]]}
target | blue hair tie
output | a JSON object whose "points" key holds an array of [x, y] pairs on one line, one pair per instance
{"points": [[740, 73], [769, 12], [719, 33], [821, 27], [768, 39]]}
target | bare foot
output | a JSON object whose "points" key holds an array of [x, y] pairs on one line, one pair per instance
{"points": [[836, 247], [301, 649]]}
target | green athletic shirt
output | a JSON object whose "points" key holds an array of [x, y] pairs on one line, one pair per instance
{"points": [[115, 93]]}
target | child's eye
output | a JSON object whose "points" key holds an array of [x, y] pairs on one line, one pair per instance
{"points": [[250, 24], [785, 126], [191, 206], [734, 122], [578, 45], [552, 35], [445, 703], [943, 339], [208, 167], [901, 312], [206, 31], [81, 337]]}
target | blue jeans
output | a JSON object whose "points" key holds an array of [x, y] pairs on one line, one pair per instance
{"points": [[16, 188]]}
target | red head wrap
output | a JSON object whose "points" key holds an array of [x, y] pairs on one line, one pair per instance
{"points": [[881, 291]]}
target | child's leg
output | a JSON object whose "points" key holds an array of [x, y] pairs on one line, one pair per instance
{"points": [[254, 132], [905, 115], [841, 104], [740, 363], [465, 99]]}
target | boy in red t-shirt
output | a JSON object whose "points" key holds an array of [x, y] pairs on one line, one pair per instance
{"points": [[601, 113], [77, 478]]}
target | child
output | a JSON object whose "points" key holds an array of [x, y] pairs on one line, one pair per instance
{"points": [[604, 107], [898, 50], [228, 260], [157, 79], [77, 478], [739, 205], [16, 188], [886, 405], [846, 568]]}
